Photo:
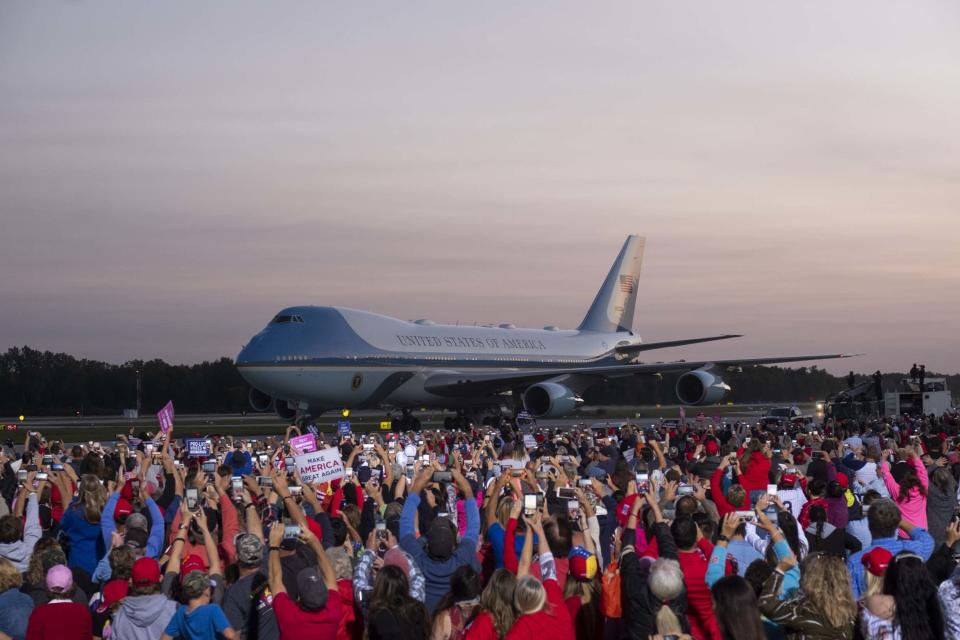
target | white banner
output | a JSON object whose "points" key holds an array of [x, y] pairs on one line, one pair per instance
{"points": [[320, 466]]}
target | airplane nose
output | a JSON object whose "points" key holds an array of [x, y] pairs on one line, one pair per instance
{"points": [[250, 352]]}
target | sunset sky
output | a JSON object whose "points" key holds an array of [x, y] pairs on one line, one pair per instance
{"points": [[174, 173]]}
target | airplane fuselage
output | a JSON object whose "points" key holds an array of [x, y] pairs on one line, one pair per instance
{"points": [[320, 358]]}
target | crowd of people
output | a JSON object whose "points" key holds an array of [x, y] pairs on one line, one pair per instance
{"points": [[669, 532]]}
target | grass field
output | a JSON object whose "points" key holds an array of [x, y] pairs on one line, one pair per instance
{"points": [[105, 428]]}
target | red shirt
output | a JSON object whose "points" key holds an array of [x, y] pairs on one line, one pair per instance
{"points": [[293, 622], [60, 621], [703, 622], [482, 628], [756, 474], [553, 621]]}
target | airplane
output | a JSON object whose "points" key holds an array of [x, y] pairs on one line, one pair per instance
{"points": [[311, 359]]}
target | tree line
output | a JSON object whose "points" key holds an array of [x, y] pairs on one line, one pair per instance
{"points": [[35, 382]]}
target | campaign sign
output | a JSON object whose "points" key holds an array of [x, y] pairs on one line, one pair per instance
{"points": [[165, 416], [343, 427], [320, 466], [196, 447], [529, 441], [303, 444]]}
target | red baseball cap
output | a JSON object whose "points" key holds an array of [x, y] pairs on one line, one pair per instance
{"points": [[122, 510], [145, 571], [192, 562], [712, 448], [843, 480], [114, 591], [877, 561]]}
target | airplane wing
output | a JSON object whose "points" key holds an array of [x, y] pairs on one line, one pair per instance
{"points": [[474, 383], [649, 346]]}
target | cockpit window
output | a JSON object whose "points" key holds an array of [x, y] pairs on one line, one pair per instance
{"points": [[283, 319]]}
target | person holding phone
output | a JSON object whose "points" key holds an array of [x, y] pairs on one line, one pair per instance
{"points": [[317, 610], [437, 552]]}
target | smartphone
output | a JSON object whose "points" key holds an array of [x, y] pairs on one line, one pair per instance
{"points": [[22, 476], [290, 464], [264, 459], [530, 503], [747, 516], [409, 471], [367, 448], [291, 531], [584, 483], [135, 486], [264, 481], [296, 490], [442, 476], [47, 461], [425, 458], [236, 483], [771, 489], [210, 466], [643, 483], [42, 475], [567, 492], [573, 510], [348, 472], [56, 466], [686, 490], [193, 496], [516, 473]]}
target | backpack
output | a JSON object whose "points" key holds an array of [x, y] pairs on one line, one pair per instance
{"points": [[610, 605]]}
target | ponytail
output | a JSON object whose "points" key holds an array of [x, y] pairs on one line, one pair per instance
{"points": [[667, 621]]}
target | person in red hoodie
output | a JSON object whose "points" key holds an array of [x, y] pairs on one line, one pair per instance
{"points": [[693, 553], [735, 498], [755, 465]]}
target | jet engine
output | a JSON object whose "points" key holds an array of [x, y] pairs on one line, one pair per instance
{"points": [[701, 387], [550, 400], [259, 400], [282, 409]]}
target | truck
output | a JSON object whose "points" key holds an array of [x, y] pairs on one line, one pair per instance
{"points": [[933, 398]]}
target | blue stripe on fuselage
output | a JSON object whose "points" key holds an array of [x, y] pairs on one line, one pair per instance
{"points": [[325, 338]]}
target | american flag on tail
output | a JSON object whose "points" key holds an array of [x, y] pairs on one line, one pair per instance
{"points": [[627, 283]]}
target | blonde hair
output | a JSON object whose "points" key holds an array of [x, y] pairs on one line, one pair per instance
{"points": [[497, 600], [666, 583], [10, 578], [529, 595], [503, 511], [92, 495], [874, 584], [826, 582]]}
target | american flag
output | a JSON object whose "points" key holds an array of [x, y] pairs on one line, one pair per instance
{"points": [[626, 283]]}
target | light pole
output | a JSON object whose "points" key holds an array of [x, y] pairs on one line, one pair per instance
{"points": [[138, 392]]}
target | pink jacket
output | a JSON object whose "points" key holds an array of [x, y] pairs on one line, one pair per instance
{"points": [[913, 507]]}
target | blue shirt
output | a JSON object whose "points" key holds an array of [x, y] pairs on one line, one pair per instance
{"points": [[496, 536], [203, 623], [240, 462], [921, 543], [15, 610], [86, 543], [744, 553]]}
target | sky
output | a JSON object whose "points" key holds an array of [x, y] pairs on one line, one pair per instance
{"points": [[172, 174]]}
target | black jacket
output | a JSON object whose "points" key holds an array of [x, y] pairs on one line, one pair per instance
{"points": [[639, 605]]}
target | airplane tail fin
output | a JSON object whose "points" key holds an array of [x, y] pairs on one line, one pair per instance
{"points": [[612, 309]]}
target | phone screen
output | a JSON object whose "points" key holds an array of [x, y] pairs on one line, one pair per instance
{"points": [[643, 483], [192, 497], [771, 489], [530, 503]]}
